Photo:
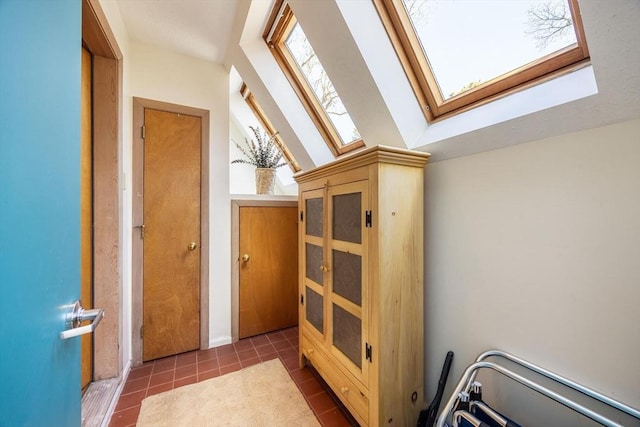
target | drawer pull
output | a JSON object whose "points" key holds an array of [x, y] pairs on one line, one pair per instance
{"points": [[344, 390], [310, 351]]}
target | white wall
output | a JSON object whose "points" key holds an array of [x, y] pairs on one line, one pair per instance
{"points": [[242, 179], [160, 75], [535, 249]]}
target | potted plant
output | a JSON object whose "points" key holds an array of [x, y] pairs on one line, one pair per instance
{"points": [[265, 155]]}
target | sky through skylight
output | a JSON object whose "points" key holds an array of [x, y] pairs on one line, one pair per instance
{"points": [[473, 41], [317, 78]]}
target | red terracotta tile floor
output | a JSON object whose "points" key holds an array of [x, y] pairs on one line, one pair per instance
{"points": [[175, 371]]}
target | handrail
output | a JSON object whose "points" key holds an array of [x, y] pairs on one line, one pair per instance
{"points": [[469, 372], [567, 382]]}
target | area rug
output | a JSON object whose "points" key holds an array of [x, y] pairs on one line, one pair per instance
{"points": [[260, 395]]}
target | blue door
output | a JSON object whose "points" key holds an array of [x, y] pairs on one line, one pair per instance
{"points": [[39, 211]]}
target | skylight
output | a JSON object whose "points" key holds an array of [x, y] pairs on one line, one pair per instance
{"points": [[459, 54], [257, 111], [301, 65], [319, 82]]}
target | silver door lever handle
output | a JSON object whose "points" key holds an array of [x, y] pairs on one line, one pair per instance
{"points": [[76, 315]]}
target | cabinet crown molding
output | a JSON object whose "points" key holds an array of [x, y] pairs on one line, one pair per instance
{"points": [[379, 154]]}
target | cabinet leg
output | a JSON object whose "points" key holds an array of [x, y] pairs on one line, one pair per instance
{"points": [[302, 361]]}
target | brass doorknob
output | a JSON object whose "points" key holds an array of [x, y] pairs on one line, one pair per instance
{"points": [[192, 246], [245, 257]]}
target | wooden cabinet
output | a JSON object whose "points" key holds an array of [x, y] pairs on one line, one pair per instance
{"points": [[361, 281]]}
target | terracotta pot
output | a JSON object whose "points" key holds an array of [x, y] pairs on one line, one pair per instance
{"points": [[265, 180]]}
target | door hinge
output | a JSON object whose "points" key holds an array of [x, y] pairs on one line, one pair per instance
{"points": [[141, 331], [368, 352], [301, 299], [141, 227], [142, 131], [367, 219], [301, 216]]}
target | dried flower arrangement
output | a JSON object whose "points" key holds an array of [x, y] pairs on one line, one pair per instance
{"points": [[264, 154]]}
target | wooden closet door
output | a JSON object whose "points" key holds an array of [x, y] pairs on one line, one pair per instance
{"points": [[268, 269], [171, 255]]}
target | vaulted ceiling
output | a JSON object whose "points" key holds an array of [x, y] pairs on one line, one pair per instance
{"points": [[353, 46], [199, 28]]}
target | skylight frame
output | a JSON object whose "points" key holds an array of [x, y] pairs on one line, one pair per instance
{"points": [[257, 111], [423, 81], [279, 26]]}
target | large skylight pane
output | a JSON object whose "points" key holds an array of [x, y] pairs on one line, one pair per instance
{"points": [[318, 80], [469, 42]]}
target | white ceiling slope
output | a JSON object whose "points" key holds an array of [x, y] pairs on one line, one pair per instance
{"points": [[354, 49], [198, 28]]}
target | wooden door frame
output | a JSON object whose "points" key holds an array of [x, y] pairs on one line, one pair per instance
{"points": [[139, 104], [107, 148], [236, 203]]}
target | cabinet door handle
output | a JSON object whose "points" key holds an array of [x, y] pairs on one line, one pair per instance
{"points": [[344, 390]]}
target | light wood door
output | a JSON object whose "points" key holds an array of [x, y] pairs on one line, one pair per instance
{"points": [[171, 254], [346, 293], [268, 269], [86, 212], [312, 278]]}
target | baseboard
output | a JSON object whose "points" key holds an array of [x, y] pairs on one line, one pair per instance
{"points": [[116, 396]]}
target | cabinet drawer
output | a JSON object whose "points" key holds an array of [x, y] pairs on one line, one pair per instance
{"points": [[354, 398]]}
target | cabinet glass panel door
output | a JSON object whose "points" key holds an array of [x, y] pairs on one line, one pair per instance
{"points": [[313, 273], [347, 334], [347, 254], [314, 208], [314, 309], [346, 218], [313, 263], [347, 275]]}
